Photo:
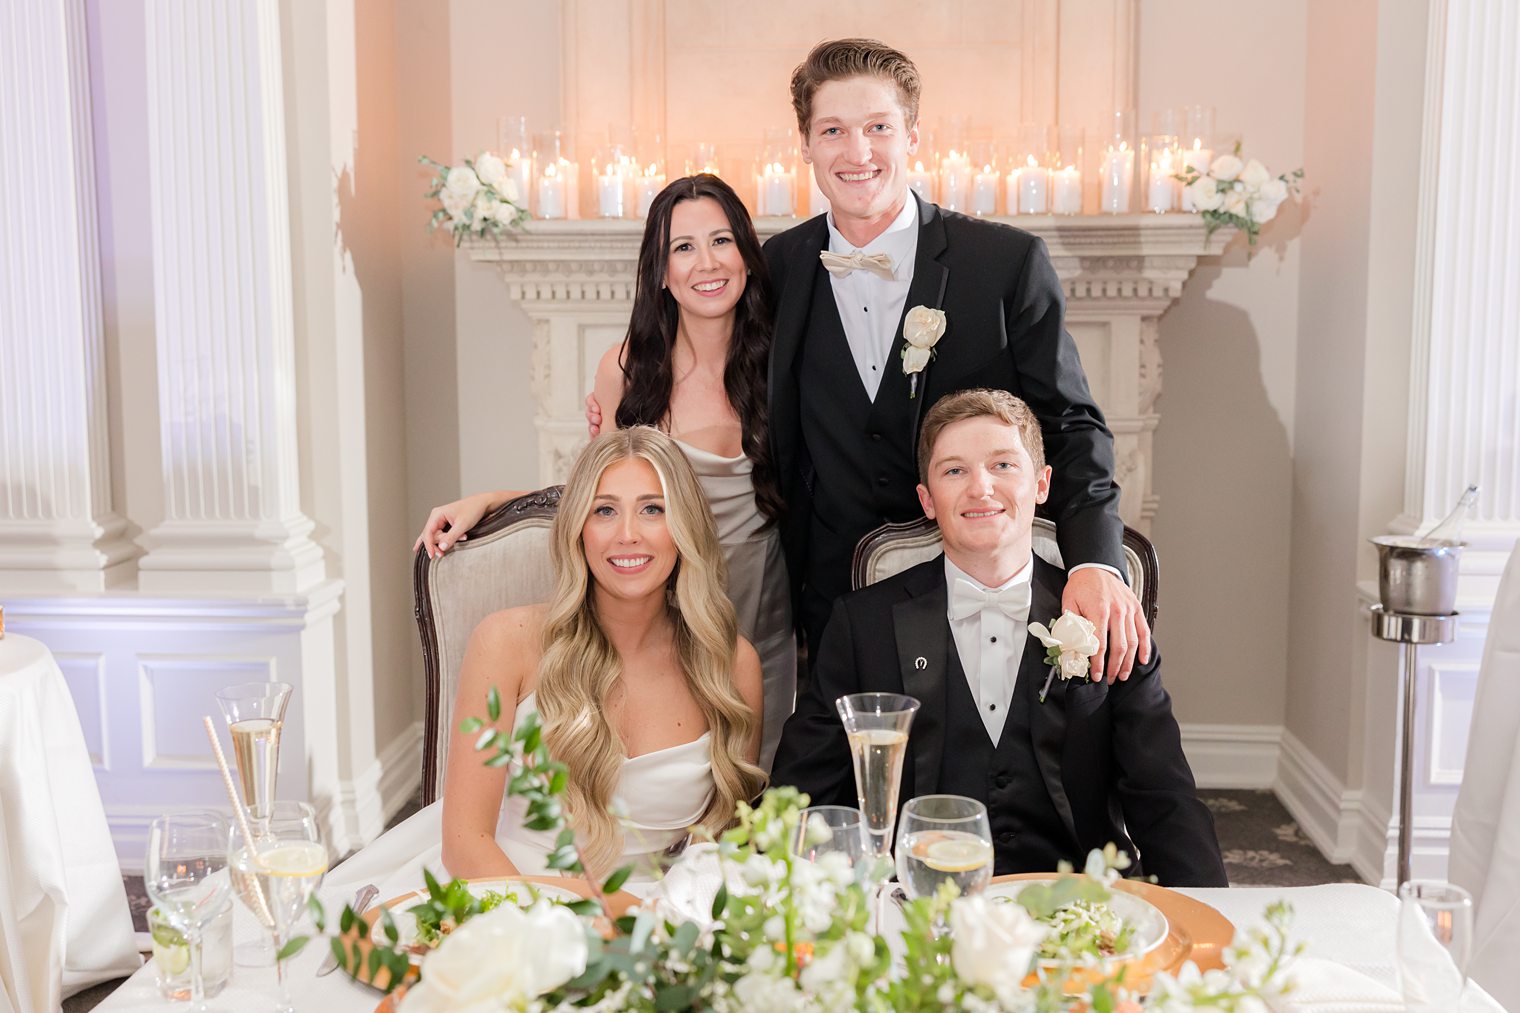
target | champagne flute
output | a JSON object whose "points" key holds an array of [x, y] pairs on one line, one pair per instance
{"points": [[1435, 936], [255, 713], [944, 839], [185, 873], [276, 873], [877, 725], [826, 829]]}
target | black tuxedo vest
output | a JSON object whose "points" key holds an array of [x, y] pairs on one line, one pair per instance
{"points": [[1027, 830], [861, 452]]}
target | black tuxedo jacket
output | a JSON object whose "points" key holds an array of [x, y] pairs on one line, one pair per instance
{"points": [[1110, 756], [1004, 308]]}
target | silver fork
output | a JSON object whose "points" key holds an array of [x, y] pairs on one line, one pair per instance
{"points": [[362, 900]]}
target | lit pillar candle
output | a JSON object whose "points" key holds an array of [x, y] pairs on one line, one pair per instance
{"points": [[609, 194], [1067, 185], [551, 193], [1197, 157], [955, 181], [520, 172], [984, 192], [646, 187], [775, 191], [1161, 194], [1117, 178], [1029, 189], [921, 182]]}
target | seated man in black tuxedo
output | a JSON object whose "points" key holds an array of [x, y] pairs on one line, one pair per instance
{"points": [[1092, 763]]}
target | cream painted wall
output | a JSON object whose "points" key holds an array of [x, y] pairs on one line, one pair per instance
{"points": [[1229, 348]]}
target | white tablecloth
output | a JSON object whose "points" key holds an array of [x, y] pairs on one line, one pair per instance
{"points": [[64, 921], [1347, 924], [1485, 825]]}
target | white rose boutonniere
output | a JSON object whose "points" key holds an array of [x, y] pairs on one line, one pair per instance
{"points": [[1069, 642], [922, 329]]}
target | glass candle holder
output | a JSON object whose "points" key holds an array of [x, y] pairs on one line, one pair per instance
{"points": [[920, 178], [1029, 172], [613, 169], [512, 142], [1116, 165], [1197, 144], [986, 180], [1066, 171], [702, 157], [556, 181], [955, 180], [1162, 159], [776, 177]]}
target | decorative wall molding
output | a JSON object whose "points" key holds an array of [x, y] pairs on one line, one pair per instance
{"points": [[575, 279], [58, 530], [222, 304], [1327, 812], [379, 792]]}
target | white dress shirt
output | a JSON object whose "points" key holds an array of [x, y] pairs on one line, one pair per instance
{"points": [[991, 645], [870, 306]]}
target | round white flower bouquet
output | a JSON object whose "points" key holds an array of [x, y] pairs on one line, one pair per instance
{"points": [[478, 197], [1239, 192]]}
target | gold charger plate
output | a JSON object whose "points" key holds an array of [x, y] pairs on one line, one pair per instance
{"points": [[1195, 932]]}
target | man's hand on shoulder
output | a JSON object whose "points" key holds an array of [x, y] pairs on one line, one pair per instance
{"points": [[1108, 603]]}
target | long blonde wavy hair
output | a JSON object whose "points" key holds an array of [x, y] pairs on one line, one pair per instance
{"points": [[580, 668]]}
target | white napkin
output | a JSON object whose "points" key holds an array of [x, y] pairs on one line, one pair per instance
{"points": [[1322, 986], [686, 892]]}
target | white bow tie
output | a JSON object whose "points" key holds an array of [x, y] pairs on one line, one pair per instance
{"points": [[840, 264], [966, 600]]}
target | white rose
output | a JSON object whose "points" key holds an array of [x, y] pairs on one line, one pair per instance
{"points": [[915, 359], [1225, 168], [454, 203], [1073, 665], [1235, 202], [994, 944], [1205, 194], [504, 956], [1071, 632], [509, 190], [1263, 211], [462, 180], [491, 170], [1274, 190], [922, 328], [1254, 175]]}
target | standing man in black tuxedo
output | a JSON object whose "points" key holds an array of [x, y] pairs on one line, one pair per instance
{"points": [[844, 416], [1087, 765]]}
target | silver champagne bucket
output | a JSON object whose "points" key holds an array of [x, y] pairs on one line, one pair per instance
{"points": [[1417, 576]]}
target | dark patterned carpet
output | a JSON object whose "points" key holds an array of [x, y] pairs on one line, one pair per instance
{"points": [[1262, 846]]}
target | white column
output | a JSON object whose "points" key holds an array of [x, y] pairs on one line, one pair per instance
{"points": [[222, 277], [1465, 374], [57, 527]]}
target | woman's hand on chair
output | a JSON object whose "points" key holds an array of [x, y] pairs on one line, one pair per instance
{"points": [[447, 524]]}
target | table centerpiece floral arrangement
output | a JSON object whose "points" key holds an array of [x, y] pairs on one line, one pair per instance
{"points": [[782, 933]]}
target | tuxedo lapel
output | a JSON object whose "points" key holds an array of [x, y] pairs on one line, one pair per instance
{"points": [[927, 289], [1047, 721], [923, 646], [796, 301]]}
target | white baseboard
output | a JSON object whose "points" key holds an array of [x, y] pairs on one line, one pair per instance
{"points": [[1232, 756], [369, 800], [1328, 813], [1377, 847]]}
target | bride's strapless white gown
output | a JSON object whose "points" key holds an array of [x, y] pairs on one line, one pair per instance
{"points": [[757, 582], [662, 793]]}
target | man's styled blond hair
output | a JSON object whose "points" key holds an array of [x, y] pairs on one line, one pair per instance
{"points": [[839, 59], [979, 402]]}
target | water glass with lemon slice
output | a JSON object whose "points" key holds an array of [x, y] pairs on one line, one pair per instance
{"points": [[944, 839], [276, 874], [171, 954]]}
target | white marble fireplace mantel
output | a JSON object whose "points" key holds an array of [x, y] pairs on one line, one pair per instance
{"points": [[575, 280]]}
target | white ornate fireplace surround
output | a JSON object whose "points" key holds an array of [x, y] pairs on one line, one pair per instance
{"points": [[575, 280]]}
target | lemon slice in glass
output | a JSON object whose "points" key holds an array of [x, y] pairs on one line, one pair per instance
{"points": [[170, 951], [299, 860], [957, 854]]}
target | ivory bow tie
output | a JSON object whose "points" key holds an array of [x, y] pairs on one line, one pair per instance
{"points": [[966, 600], [840, 265]]}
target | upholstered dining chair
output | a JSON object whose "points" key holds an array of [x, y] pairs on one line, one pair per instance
{"points": [[504, 563], [893, 548]]}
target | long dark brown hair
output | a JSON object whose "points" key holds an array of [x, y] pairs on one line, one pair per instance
{"points": [[648, 356]]}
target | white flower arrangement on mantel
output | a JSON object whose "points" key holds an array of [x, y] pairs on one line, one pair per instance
{"points": [[479, 197], [1240, 193]]}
